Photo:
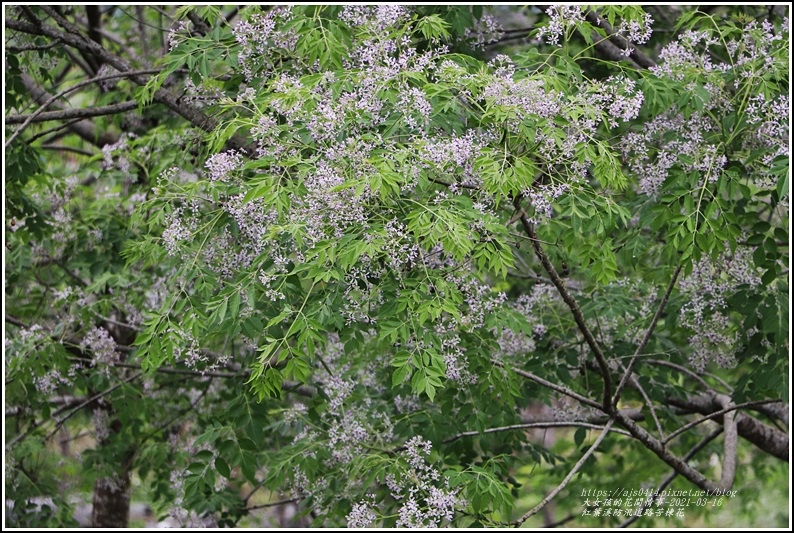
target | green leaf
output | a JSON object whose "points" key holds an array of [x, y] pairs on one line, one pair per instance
{"points": [[223, 468]]}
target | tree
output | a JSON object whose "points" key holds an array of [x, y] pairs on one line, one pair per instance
{"points": [[348, 257]]}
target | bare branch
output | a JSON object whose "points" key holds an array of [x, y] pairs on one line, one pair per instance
{"points": [[646, 337], [548, 384], [67, 114], [672, 475], [531, 425], [709, 416], [664, 454], [607, 405], [568, 478], [766, 438]]}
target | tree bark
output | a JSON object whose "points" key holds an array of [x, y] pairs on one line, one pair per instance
{"points": [[111, 499]]}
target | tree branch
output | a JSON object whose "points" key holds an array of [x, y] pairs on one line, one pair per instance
{"points": [[51, 99], [83, 128], [273, 504], [646, 337], [672, 475], [67, 114], [565, 481], [531, 425], [548, 384], [74, 38], [621, 42], [665, 455], [731, 442], [607, 405], [764, 437]]}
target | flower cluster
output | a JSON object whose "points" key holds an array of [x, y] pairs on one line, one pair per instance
{"points": [[377, 18], [770, 120], [532, 306], [102, 347], [619, 96], [424, 503], [635, 31], [541, 198], [715, 337], [261, 42], [486, 30], [223, 165], [665, 139], [361, 515], [562, 19]]}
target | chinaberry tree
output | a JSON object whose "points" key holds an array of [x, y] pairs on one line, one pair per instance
{"points": [[354, 258]]}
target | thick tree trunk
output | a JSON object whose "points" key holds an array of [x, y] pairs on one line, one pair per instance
{"points": [[111, 501]]}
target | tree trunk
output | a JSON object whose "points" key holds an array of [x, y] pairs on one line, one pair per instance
{"points": [[112, 501]]}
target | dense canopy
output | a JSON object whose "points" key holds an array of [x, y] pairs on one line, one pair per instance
{"points": [[396, 266]]}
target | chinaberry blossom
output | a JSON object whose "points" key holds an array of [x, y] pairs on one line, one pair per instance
{"points": [[222, 166], [361, 515], [714, 337], [561, 19]]}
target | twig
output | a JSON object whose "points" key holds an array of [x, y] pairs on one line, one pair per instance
{"points": [[63, 148], [548, 384], [565, 481], [607, 405], [715, 414], [646, 337], [531, 425], [32, 47], [273, 504]]}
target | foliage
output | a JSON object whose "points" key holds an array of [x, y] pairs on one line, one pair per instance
{"points": [[363, 253]]}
